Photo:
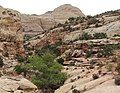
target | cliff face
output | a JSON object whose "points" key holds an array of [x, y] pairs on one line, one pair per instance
{"points": [[11, 33], [38, 24]]}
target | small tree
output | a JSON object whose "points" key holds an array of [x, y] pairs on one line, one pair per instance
{"points": [[46, 72]]}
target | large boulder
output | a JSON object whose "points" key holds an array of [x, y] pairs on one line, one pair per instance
{"points": [[16, 85]]}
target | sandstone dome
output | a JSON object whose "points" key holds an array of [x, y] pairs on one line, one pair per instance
{"points": [[65, 11]]}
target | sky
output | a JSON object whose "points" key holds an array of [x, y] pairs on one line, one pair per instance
{"points": [[88, 7]]}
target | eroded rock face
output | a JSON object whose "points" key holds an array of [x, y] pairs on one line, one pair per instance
{"points": [[11, 36]]}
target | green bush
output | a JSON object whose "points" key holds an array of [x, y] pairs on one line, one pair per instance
{"points": [[27, 37], [20, 58], [71, 19], [116, 35], [80, 19], [19, 69], [60, 60], [89, 53], [49, 48], [106, 51], [47, 72], [99, 35], [75, 91], [89, 16], [86, 36]]}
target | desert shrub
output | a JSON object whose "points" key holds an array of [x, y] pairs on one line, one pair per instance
{"points": [[27, 37], [106, 51], [72, 64], [60, 60], [47, 72], [80, 19], [50, 48], [86, 36], [117, 80], [99, 54], [95, 76], [1, 62], [116, 35], [89, 16], [71, 19], [99, 35], [68, 28], [19, 69], [20, 58], [89, 53], [75, 91], [115, 46]]}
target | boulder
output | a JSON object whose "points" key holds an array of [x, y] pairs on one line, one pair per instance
{"points": [[17, 85]]}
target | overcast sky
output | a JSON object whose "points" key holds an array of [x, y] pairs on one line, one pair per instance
{"points": [[89, 7]]}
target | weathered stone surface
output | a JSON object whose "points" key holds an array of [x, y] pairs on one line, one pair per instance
{"points": [[110, 29], [16, 85], [107, 87]]}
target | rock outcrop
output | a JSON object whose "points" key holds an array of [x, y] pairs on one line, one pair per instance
{"points": [[11, 38], [11, 34]]}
